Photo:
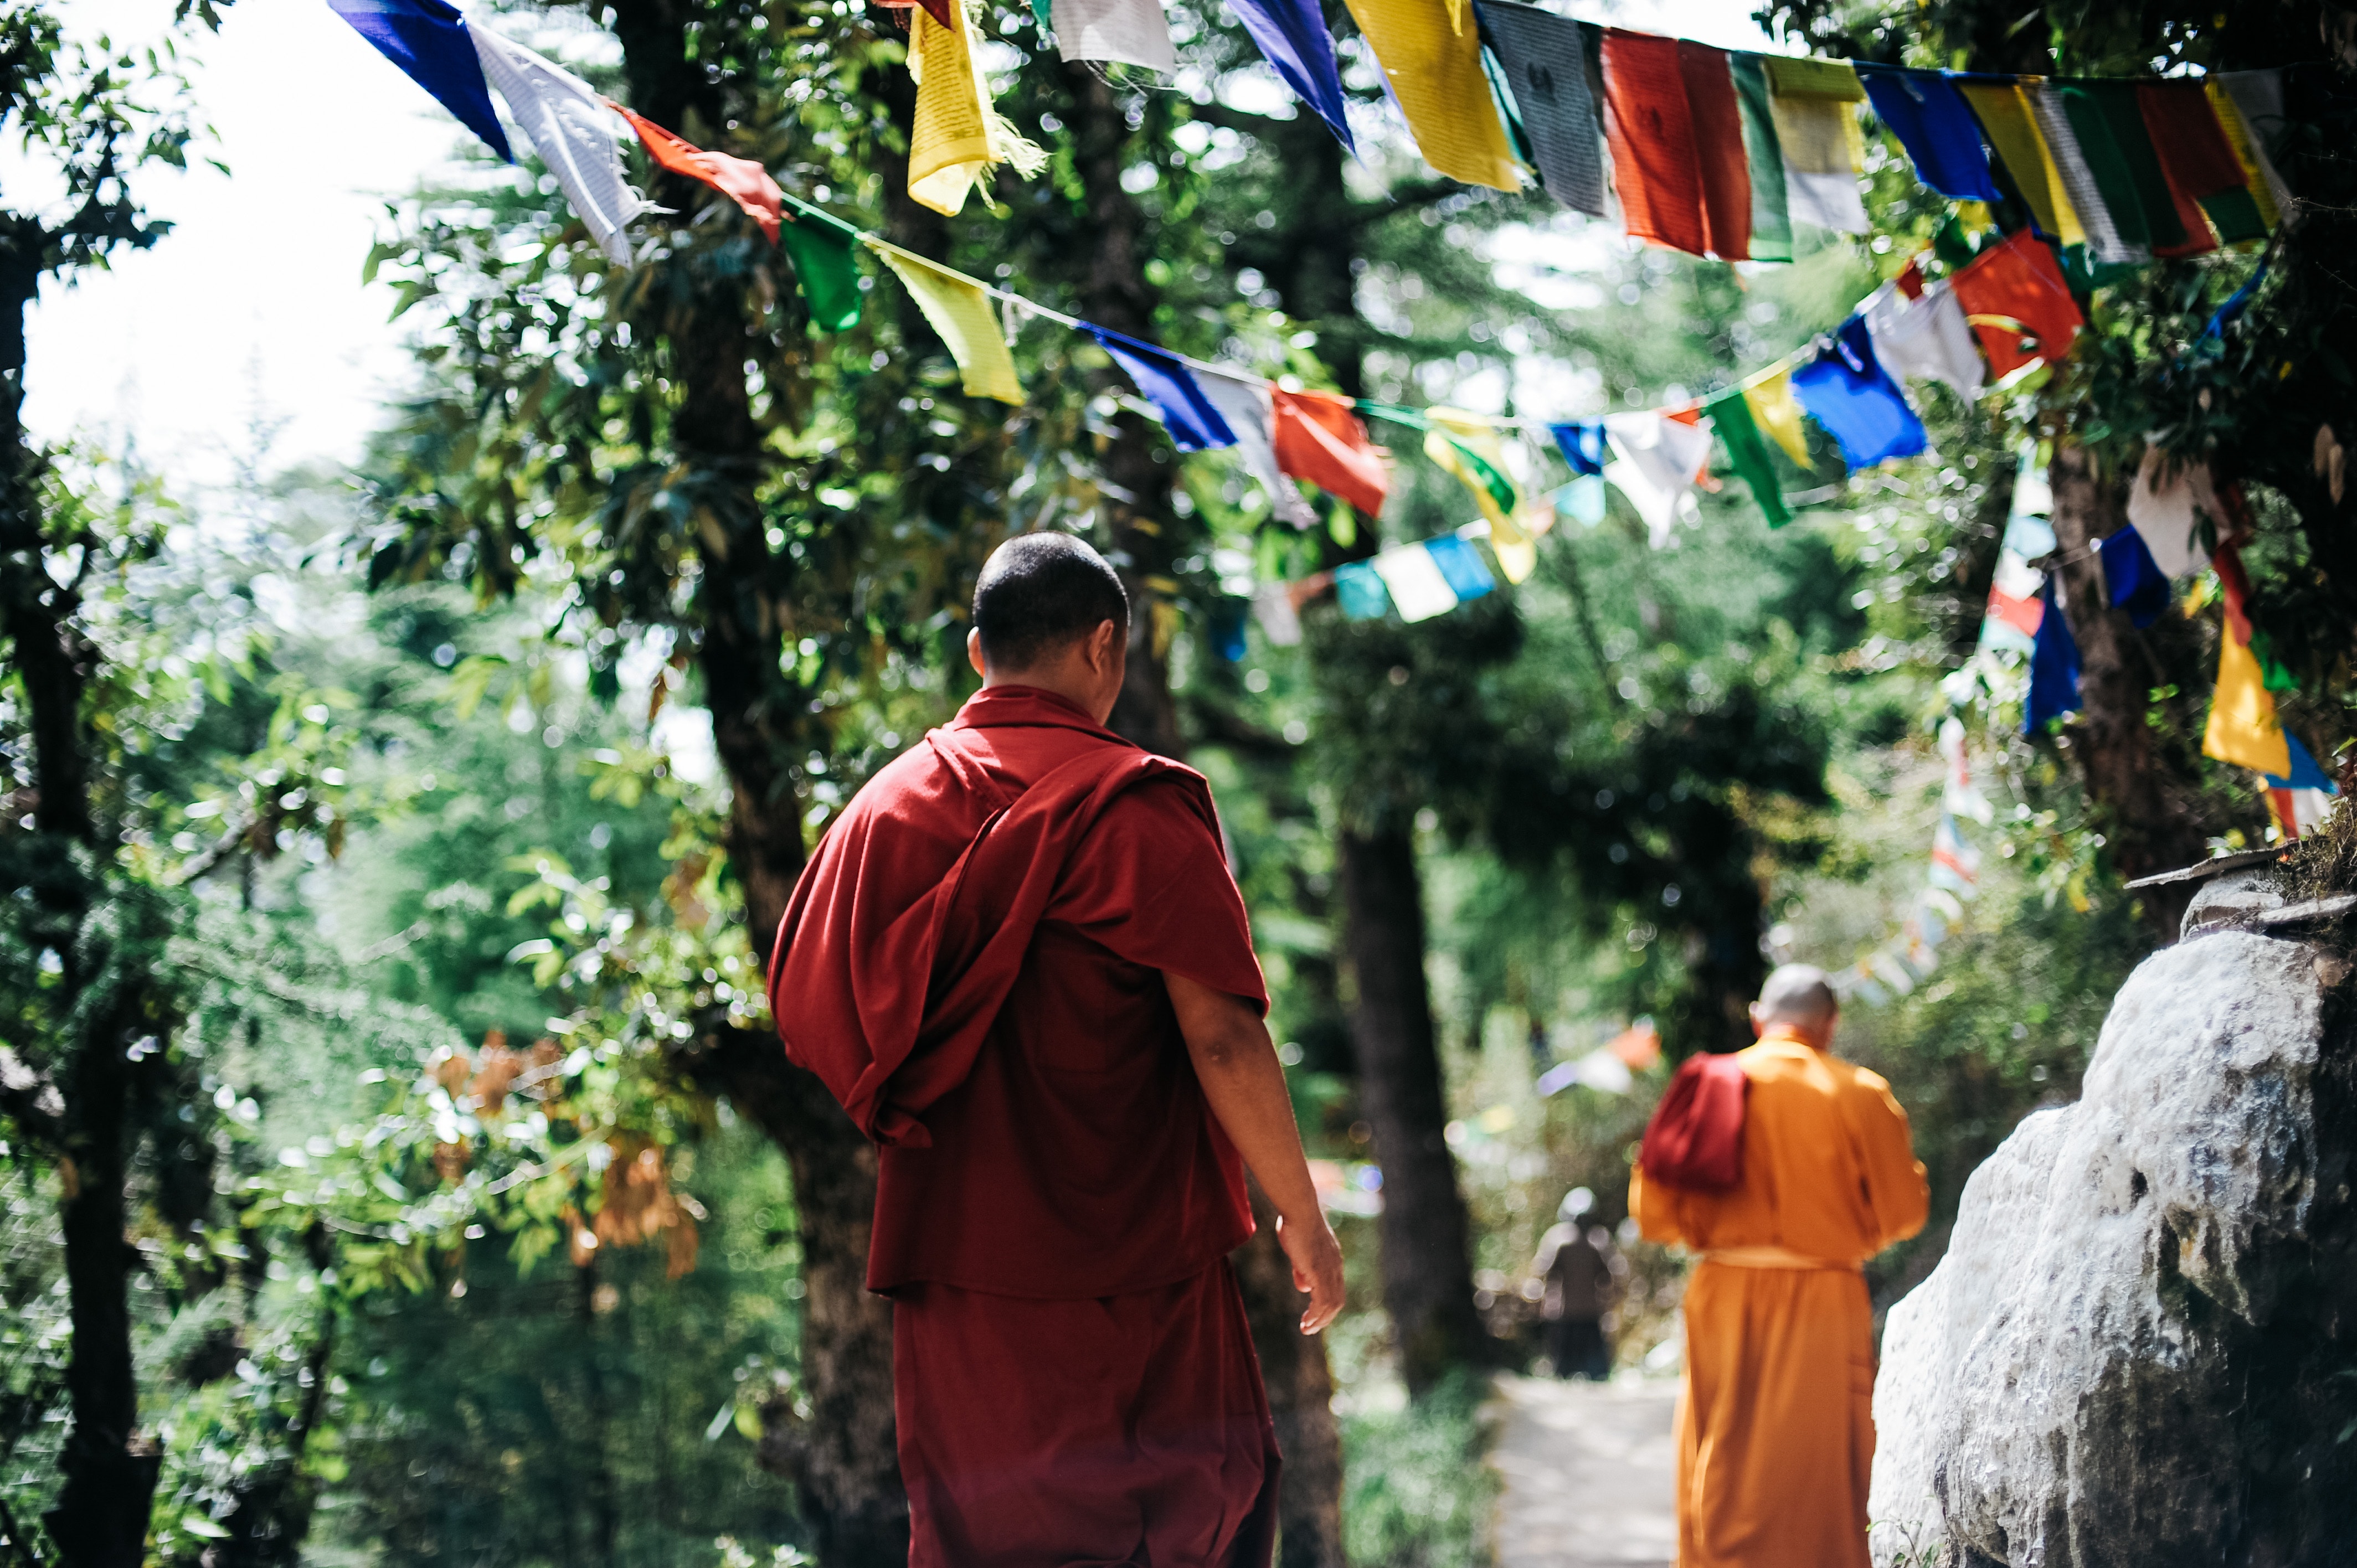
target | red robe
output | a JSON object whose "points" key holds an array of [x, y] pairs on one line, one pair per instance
{"points": [[972, 963]]}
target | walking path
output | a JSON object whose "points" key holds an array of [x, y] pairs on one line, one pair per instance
{"points": [[1588, 1471]]}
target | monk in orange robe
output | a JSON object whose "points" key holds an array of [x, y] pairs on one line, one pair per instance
{"points": [[1019, 961], [1775, 1423]]}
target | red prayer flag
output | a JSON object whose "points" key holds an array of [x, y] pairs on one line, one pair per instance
{"points": [[2235, 587], [742, 180], [2014, 287], [2021, 612], [1676, 136], [1320, 437], [938, 10], [2195, 157]]}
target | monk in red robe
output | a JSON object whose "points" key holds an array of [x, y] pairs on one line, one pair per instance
{"points": [[1020, 962]]}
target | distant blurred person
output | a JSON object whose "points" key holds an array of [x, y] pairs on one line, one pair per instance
{"points": [[1776, 1421], [1583, 1276]]}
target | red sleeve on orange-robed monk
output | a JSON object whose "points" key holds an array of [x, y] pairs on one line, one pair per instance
{"points": [[1150, 882]]}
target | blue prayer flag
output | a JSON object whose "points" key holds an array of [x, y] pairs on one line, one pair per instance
{"points": [[2053, 668], [1360, 593], [2304, 773], [1936, 125], [1227, 629], [1462, 565], [1164, 380], [429, 40], [1581, 444], [2136, 583], [1292, 36], [1846, 390]]}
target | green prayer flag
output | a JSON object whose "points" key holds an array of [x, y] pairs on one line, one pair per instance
{"points": [[2109, 122], [1730, 416], [1501, 489], [2235, 215], [820, 246], [1509, 111], [1771, 219]]}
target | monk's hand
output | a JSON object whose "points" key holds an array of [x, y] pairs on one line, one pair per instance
{"points": [[1317, 1260]]}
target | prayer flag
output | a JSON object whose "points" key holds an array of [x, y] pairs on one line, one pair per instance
{"points": [[2008, 116], [819, 245], [1813, 106], [2303, 774], [1776, 413], [1657, 461], [1359, 593], [1544, 58], [742, 180], [1243, 406], [1936, 125], [1730, 414], [1582, 499], [1431, 58], [1164, 380], [1581, 442], [1846, 390], [2206, 178], [957, 137], [1466, 447], [2130, 579], [1772, 218], [1461, 565], [430, 41], [2297, 812], [1134, 32], [1292, 38], [2053, 668], [1926, 336], [2243, 726], [2166, 506], [2255, 167], [1320, 438], [1676, 132], [1280, 620], [2015, 609], [2109, 122], [1959, 796], [1955, 863], [2106, 243], [1419, 590], [960, 312], [2014, 287], [572, 130], [2258, 99]]}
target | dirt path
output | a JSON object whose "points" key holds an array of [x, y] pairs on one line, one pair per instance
{"points": [[1588, 1470]]}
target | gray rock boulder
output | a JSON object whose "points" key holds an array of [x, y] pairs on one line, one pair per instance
{"points": [[2137, 1348]]}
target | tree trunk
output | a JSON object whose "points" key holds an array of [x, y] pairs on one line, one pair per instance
{"points": [[1427, 1260], [2149, 824]]}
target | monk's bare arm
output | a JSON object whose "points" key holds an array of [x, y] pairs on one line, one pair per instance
{"points": [[1242, 1077]]}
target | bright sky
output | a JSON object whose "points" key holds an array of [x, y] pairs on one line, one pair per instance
{"points": [[254, 305]]}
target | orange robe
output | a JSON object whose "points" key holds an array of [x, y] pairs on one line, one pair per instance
{"points": [[1776, 1418]]}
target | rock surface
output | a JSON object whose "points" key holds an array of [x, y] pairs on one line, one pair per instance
{"points": [[2130, 1355]]}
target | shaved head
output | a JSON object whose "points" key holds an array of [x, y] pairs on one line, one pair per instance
{"points": [[1040, 592], [1798, 997]]}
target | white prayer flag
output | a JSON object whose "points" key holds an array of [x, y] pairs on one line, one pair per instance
{"points": [[1418, 590], [1658, 458], [2166, 506], [1279, 621], [1928, 337], [1246, 406], [1132, 31], [573, 132]]}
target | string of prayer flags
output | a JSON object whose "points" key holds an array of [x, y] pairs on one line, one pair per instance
{"points": [[2131, 580], [1431, 58], [1245, 407], [1164, 380], [2015, 287], [1811, 110], [2014, 608], [742, 180], [2053, 667], [820, 246], [572, 130], [957, 137], [958, 310], [2166, 505], [1133, 32], [1936, 125], [1656, 460], [1359, 593], [1768, 398], [2106, 246], [1845, 389], [1292, 37], [430, 41], [1676, 134], [1320, 438], [1925, 336], [1543, 58], [1730, 416]]}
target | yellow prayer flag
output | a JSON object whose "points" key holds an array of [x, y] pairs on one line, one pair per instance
{"points": [[1519, 557], [2238, 136], [1434, 71], [2010, 121], [959, 311], [1453, 429], [2242, 725], [1775, 409], [1794, 76], [957, 137]]}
